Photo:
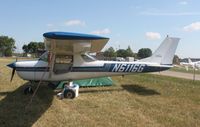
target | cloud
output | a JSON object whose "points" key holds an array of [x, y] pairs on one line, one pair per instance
{"points": [[192, 27], [74, 22], [183, 3], [49, 25], [153, 35], [104, 31], [170, 13]]}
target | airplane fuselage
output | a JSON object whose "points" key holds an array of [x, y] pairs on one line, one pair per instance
{"points": [[39, 70], [192, 64], [67, 58]]}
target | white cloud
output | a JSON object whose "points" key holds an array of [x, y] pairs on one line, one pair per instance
{"points": [[183, 2], [192, 27], [170, 13], [49, 25], [104, 31], [153, 35], [74, 22]]}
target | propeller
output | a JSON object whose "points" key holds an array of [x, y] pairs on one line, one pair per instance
{"points": [[13, 71]]}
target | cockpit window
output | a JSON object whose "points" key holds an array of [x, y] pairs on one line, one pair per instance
{"points": [[88, 58], [44, 56]]}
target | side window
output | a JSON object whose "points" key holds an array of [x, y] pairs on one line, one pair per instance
{"points": [[60, 59], [63, 64], [87, 58]]}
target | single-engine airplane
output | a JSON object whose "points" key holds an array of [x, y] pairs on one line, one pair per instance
{"points": [[67, 59], [194, 65]]}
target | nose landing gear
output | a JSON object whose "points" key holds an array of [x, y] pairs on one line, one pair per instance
{"points": [[70, 91]]}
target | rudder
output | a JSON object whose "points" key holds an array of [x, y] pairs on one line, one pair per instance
{"points": [[165, 52]]}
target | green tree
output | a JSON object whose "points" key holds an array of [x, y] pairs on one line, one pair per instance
{"points": [[176, 60], [121, 53], [129, 52], [25, 48], [144, 52], [33, 47], [110, 52], [7, 45], [41, 45]]}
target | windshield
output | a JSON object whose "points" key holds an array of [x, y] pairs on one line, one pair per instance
{"points": [[88, 58], [44, 56]]}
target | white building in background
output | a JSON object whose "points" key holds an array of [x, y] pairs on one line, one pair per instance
{"points": [[130, 59]]}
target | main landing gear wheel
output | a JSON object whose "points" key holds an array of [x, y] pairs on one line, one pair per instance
{"points": [[70, 94], [28, 90]]}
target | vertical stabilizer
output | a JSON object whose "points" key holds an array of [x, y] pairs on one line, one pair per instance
{"points": [[165, 52], [189, 60]]}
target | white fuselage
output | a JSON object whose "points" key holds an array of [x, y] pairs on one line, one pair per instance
{"points": [[191, 64], [39, 70]]}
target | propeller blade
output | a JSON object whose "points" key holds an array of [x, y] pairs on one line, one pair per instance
{"points": [[13, 73]]}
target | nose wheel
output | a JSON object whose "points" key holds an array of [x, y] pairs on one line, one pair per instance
{"points": [[68, 93], [28, 90]]}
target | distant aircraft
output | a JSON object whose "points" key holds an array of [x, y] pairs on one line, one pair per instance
{"points": [[67, 59], [194, 65]]}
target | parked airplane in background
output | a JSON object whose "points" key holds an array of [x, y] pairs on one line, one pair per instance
{"points": [[67, 59], [194, 65]]}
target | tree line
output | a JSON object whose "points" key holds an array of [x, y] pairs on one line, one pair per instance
{"points": [[7, 46], [33, 47], [142, 53]]}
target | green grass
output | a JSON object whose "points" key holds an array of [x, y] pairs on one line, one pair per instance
{"points": [[182, 69], [135, 100]]}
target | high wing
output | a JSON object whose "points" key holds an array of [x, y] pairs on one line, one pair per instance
{"points": [[70, 43]]}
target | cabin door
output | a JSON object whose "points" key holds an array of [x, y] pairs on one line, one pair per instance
{"points": [[63, 64]]}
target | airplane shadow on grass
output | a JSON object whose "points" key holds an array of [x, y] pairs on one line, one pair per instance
{"points": [[14, 111], [132, 88], [96, 90], [140, 90]]}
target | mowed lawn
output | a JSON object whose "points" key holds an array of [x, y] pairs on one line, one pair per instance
{"points": [[183, 69], [135, 100]]}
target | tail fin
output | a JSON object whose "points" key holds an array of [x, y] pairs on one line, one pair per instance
{"points": [[189, 60], [165, 52]]}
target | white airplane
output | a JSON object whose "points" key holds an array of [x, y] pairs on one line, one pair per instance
{"points": [[67, 59], [194, 65]]}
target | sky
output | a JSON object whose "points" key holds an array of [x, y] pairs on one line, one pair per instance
{"points": [[134, 23]]}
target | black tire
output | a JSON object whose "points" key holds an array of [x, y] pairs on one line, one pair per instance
{"points": [[28, 90], [70, 94]]}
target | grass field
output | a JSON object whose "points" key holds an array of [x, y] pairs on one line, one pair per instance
{"points": [[182, 69], [137, 100]]}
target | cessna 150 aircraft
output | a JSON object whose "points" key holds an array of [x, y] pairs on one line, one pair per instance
{"points": [[67, 59]]}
